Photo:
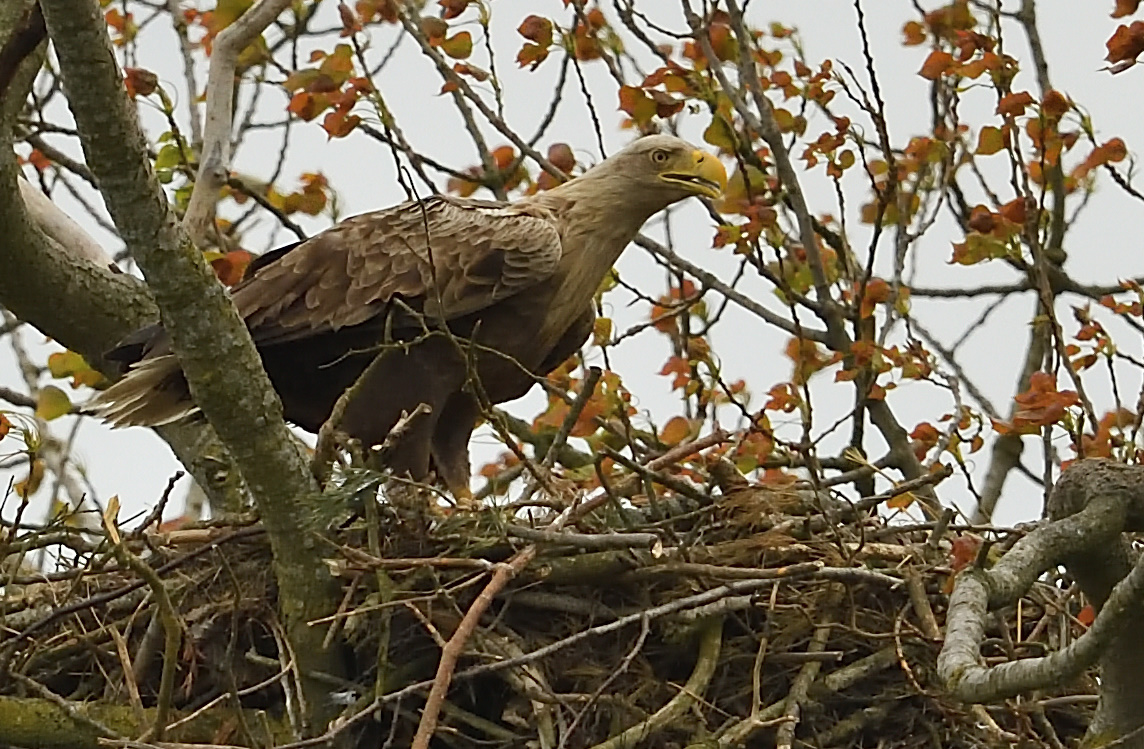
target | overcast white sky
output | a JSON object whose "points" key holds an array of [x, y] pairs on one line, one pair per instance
{"points": [[136, 465]]}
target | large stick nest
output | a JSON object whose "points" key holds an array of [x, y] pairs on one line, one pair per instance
{"points": [[760, 615]]}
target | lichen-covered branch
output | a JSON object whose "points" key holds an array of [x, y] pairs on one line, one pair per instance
{"points": [[1095, 502], [710, 643], [42, 723], [204, 327], [56, 278]]}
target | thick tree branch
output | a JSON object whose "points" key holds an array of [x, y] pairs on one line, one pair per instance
{"points": [[59, 279], [1104, 500], [204, 327], [45, 724], [214, 166]]}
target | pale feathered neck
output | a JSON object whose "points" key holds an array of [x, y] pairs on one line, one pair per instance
{"points": [[603, 200]]}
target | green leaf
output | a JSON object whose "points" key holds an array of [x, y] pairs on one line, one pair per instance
{"points": [[458, 46], [169, 156], [989, 141], [52, 403], [720, 134]]}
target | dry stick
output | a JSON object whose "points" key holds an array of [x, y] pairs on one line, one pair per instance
{"points": [[625, 664], [836, 681], [589, 541], [917, 589], [326, 448], [764, 123], [655, 612], [214, 166], [128, 672], [187, 50], [111, 595], [798, 690], [464, 88], [456, 644], [712, 281], [677, 485], [710, 643], [411, 21], [672, 456], [504, 572], [168, 617], [587, 390]]}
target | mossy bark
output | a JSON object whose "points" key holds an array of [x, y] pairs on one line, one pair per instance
{"points": [[40, 724], [88, 308]]}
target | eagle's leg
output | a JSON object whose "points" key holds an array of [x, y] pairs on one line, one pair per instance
{"points": [[407, 456], [450, 446]]}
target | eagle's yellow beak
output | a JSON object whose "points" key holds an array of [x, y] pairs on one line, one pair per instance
{"points": [[702, 175]]}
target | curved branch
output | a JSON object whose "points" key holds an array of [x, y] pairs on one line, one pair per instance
{"points": [[710, 643], [1096, 500]]}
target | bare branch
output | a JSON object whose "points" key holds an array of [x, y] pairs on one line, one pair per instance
{"points": [[214, 163]]}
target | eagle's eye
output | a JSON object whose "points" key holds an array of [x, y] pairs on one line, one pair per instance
{"points": [[659, 157]]}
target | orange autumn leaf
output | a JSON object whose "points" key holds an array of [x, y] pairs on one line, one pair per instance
{"points": [[230, 267], [963, 551], [936, 65], [1014, 211], [990, 140], [1040, 406], [675, 431], [139, 82], [452, 8], [1125, 8], [1014, 104], [1125, 45], [877, 292], [1055, 104]]}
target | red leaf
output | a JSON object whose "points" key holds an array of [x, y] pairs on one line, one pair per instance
{"points": [[351, 24], [452, 8], [1055, 104], [140, 82], [1125, 45], [964, 551], [230, 267], [537, 29]]}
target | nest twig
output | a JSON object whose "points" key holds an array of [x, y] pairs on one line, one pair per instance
{"points": [[730, 621]]}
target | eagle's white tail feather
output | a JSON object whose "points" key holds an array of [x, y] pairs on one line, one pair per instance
{"points": [[153, 393]]}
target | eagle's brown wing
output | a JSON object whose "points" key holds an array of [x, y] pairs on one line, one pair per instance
{"points": [[443, 257]]}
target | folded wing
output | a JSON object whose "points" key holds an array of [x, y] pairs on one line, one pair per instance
{"points": [[442, 257]]}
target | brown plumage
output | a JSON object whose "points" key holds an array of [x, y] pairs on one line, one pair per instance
{"points": [[517, 280]]}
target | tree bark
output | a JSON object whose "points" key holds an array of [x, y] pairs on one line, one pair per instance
{"points": [[1098, 569], [1092, 505], [85, 307], [205, 329], [41, 724]]}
